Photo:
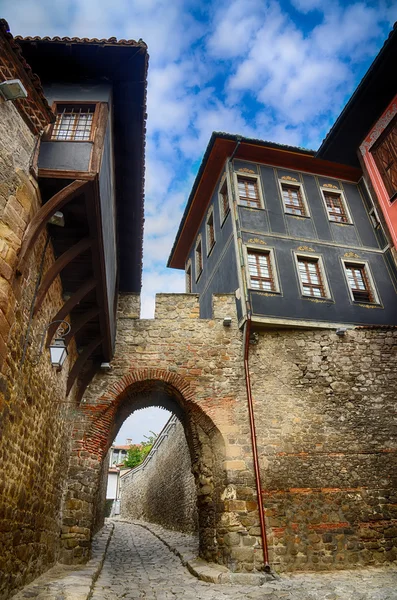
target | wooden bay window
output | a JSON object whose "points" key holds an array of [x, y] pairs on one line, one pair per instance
{"points": [[385, 156]]}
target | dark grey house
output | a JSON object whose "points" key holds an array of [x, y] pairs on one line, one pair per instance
{"points": [[294, 236], [90, 167]]}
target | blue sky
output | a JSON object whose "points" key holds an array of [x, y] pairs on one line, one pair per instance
{"points": [[275, 70]]}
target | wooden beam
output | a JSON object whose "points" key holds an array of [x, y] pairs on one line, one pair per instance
{"points": [[86, 380], [80, 321], [43, 215], [99, 140], [69, 306], [57, 267], [60, 174], [81, 360]]}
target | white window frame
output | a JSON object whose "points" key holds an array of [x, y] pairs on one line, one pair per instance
{"points": [[223, 214], [368, 273], [187, 267], [210, 214], [297, 254], [197, 273], [297, 184], [374, 218], [255, 177], [273, 264], [344, 203]]}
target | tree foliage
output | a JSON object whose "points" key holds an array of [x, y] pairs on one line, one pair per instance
{"points": [[137, 453]]}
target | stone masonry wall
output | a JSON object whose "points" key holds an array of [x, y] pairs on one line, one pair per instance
{"points": [[324, 408], [35, 419], [163, 489]]}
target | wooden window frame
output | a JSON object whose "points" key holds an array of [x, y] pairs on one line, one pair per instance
{"points": [[210, 244], [253, 177], [392, 194], [272, 264], [188, 277], [49, 131], [321, 271], [368, 279], [334, 191], [223, 210], [297, 185], [198, 264]]}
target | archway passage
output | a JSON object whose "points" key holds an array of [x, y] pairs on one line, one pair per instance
{"points": [[96, 429]]}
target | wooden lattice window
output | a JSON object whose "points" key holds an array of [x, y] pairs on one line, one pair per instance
{"points": [[248, 192], [311, 277], [224, 201], [199, 259], [74, 122], [189, 278], [261, 271], [385, 155], [210, 232], [293, 201], [359, 284], [335, 207]]}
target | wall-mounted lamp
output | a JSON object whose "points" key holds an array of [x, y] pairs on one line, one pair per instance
{"points": [[227, 321], [12, 89], [58, 350], [341, 331], [105, 366]]}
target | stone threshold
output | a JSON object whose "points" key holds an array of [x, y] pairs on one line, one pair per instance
{"points": [[70, 582], [186, 548]]}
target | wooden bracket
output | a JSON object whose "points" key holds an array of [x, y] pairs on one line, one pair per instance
{"points": [[80, 321], [70, 304], [57, 267], [43, 215], [81, 360]]}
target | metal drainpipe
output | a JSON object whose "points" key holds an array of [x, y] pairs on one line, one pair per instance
{"points": [[254, 445]]}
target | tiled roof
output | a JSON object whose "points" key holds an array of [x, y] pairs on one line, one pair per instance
{"points": [[113, 41]]}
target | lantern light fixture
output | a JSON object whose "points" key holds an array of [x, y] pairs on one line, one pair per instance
{"points": [[58, 349]]}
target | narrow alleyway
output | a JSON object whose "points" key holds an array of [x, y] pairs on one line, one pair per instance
{"points": [[138, 565]]}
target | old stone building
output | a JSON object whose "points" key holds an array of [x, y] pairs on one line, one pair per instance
{"points": [[282, 378]]}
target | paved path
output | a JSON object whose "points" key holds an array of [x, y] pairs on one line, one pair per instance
{"points": [[138, 565]]}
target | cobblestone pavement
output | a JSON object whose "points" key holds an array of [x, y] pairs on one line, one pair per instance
{"points": [[139, 565]]}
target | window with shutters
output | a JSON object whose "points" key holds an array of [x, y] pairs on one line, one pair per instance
{"points": [[248, 191], [312, 277], [210, 232], [224, 207], [198, 258], [360, 282], [74, 122], [294, 203], [384, 152], [336, 206], [261, 270]]}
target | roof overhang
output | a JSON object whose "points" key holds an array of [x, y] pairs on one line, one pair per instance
{"points": [[221, 146], [124, 64], [375, 91]]}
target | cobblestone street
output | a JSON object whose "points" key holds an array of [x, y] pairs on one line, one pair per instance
{"points": [[139, 565]]}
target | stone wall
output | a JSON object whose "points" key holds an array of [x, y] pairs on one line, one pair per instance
{"points": [[323, 408], [36, 420], [163, 490]]}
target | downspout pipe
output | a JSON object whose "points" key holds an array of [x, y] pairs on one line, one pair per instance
{"points": [[254, 444]]}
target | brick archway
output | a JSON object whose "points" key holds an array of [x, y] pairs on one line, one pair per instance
{"points": [[100, 421]]}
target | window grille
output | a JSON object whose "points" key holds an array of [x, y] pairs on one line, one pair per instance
{"points": [[358, 283], [224, 201], [248, 192], [199, 260], [210, 232], [310, 276], [260, 271], [385, 155], [335, 207], [73, 122], [293, 201]]}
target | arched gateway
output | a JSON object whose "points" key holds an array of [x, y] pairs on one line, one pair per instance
{"points": [[181, 369]]}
